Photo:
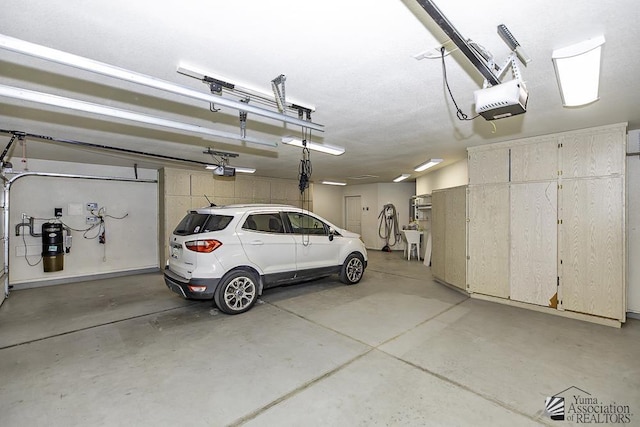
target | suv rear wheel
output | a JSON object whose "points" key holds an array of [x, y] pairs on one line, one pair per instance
{"points": [[237, 292], [352, 269]]}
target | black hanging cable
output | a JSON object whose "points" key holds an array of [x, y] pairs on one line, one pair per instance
{"points": [[304, 176], [304, 170], [459, 113], [25, 254]]}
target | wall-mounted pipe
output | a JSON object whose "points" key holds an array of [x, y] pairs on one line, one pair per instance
{"points": [[29, 225], [6, 192]]}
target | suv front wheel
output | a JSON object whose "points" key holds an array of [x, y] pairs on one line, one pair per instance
{"points": [[352, 269], [237, 292]]}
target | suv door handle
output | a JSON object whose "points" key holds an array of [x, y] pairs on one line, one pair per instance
{"points": [[257, 242]]}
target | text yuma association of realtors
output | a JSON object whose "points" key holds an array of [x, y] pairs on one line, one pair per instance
{"points": [[589, 410]]}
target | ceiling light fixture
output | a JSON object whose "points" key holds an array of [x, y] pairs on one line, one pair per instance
{"points": [[88, 107], [60, 57], [244, 170], [578, 71], [427, 165], [402, 177], [333, 183], [324, 148]]}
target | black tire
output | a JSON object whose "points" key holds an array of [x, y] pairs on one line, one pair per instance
{"points": [[237, 292], [352, 269]]}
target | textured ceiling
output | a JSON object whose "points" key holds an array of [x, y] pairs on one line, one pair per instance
{"points": [[351, 59]]}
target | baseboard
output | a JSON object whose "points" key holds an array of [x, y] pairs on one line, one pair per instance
{"points": [[548, 310], [63, 281], [633, 315], [449, 285]]}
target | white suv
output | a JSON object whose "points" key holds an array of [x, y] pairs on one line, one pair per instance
{"points": [[231, 253]]}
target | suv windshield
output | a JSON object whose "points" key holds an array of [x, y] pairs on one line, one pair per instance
{"points": [[195, 223]]}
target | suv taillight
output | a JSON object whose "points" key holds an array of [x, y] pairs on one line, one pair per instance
{"points": [[205, 246]]}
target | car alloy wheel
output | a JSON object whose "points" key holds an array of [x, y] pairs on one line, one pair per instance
{"points": [[352, 269], [237, 293]]}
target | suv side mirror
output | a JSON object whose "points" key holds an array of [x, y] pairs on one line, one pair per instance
{"points": [[332, 233]]}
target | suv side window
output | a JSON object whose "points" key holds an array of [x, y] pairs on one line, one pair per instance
{"points": [[265, 222], [306, 224]]}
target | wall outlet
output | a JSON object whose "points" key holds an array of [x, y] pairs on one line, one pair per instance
{"points": [[92, 206]]}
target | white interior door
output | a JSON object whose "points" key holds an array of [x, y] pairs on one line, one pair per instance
{"points": [[354, 214]]}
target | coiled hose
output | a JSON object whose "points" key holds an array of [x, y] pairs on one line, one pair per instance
{"points": [[389, 221]]}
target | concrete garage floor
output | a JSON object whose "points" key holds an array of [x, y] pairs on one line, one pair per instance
{"points": [[396, 349]]}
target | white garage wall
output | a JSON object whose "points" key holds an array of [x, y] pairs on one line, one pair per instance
{"points": [[328, 202], [369, 200], [399, 195], [373, 198], [130, 242], [453, 175]]}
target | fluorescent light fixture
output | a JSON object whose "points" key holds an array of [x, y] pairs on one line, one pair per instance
{"points": [[88, 107], [333, 183], [324, 148], [578, 71], [243, 169], [237, 168], [427, 165], [402, 177], [80, 62]]}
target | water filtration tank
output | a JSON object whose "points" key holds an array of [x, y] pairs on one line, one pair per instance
{"points": [[52, 247]]}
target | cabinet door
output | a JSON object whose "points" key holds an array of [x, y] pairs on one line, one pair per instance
{"points": [[535, 162], [488, 264], [438, 227], [592, 247], [489, 166], [597, 154], [455, 267], [534, 242]]}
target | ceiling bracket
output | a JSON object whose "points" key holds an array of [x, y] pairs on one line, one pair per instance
{"points": [[510, 62], [243, 120], [215, 86], [7, 166], [277, 85]]}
